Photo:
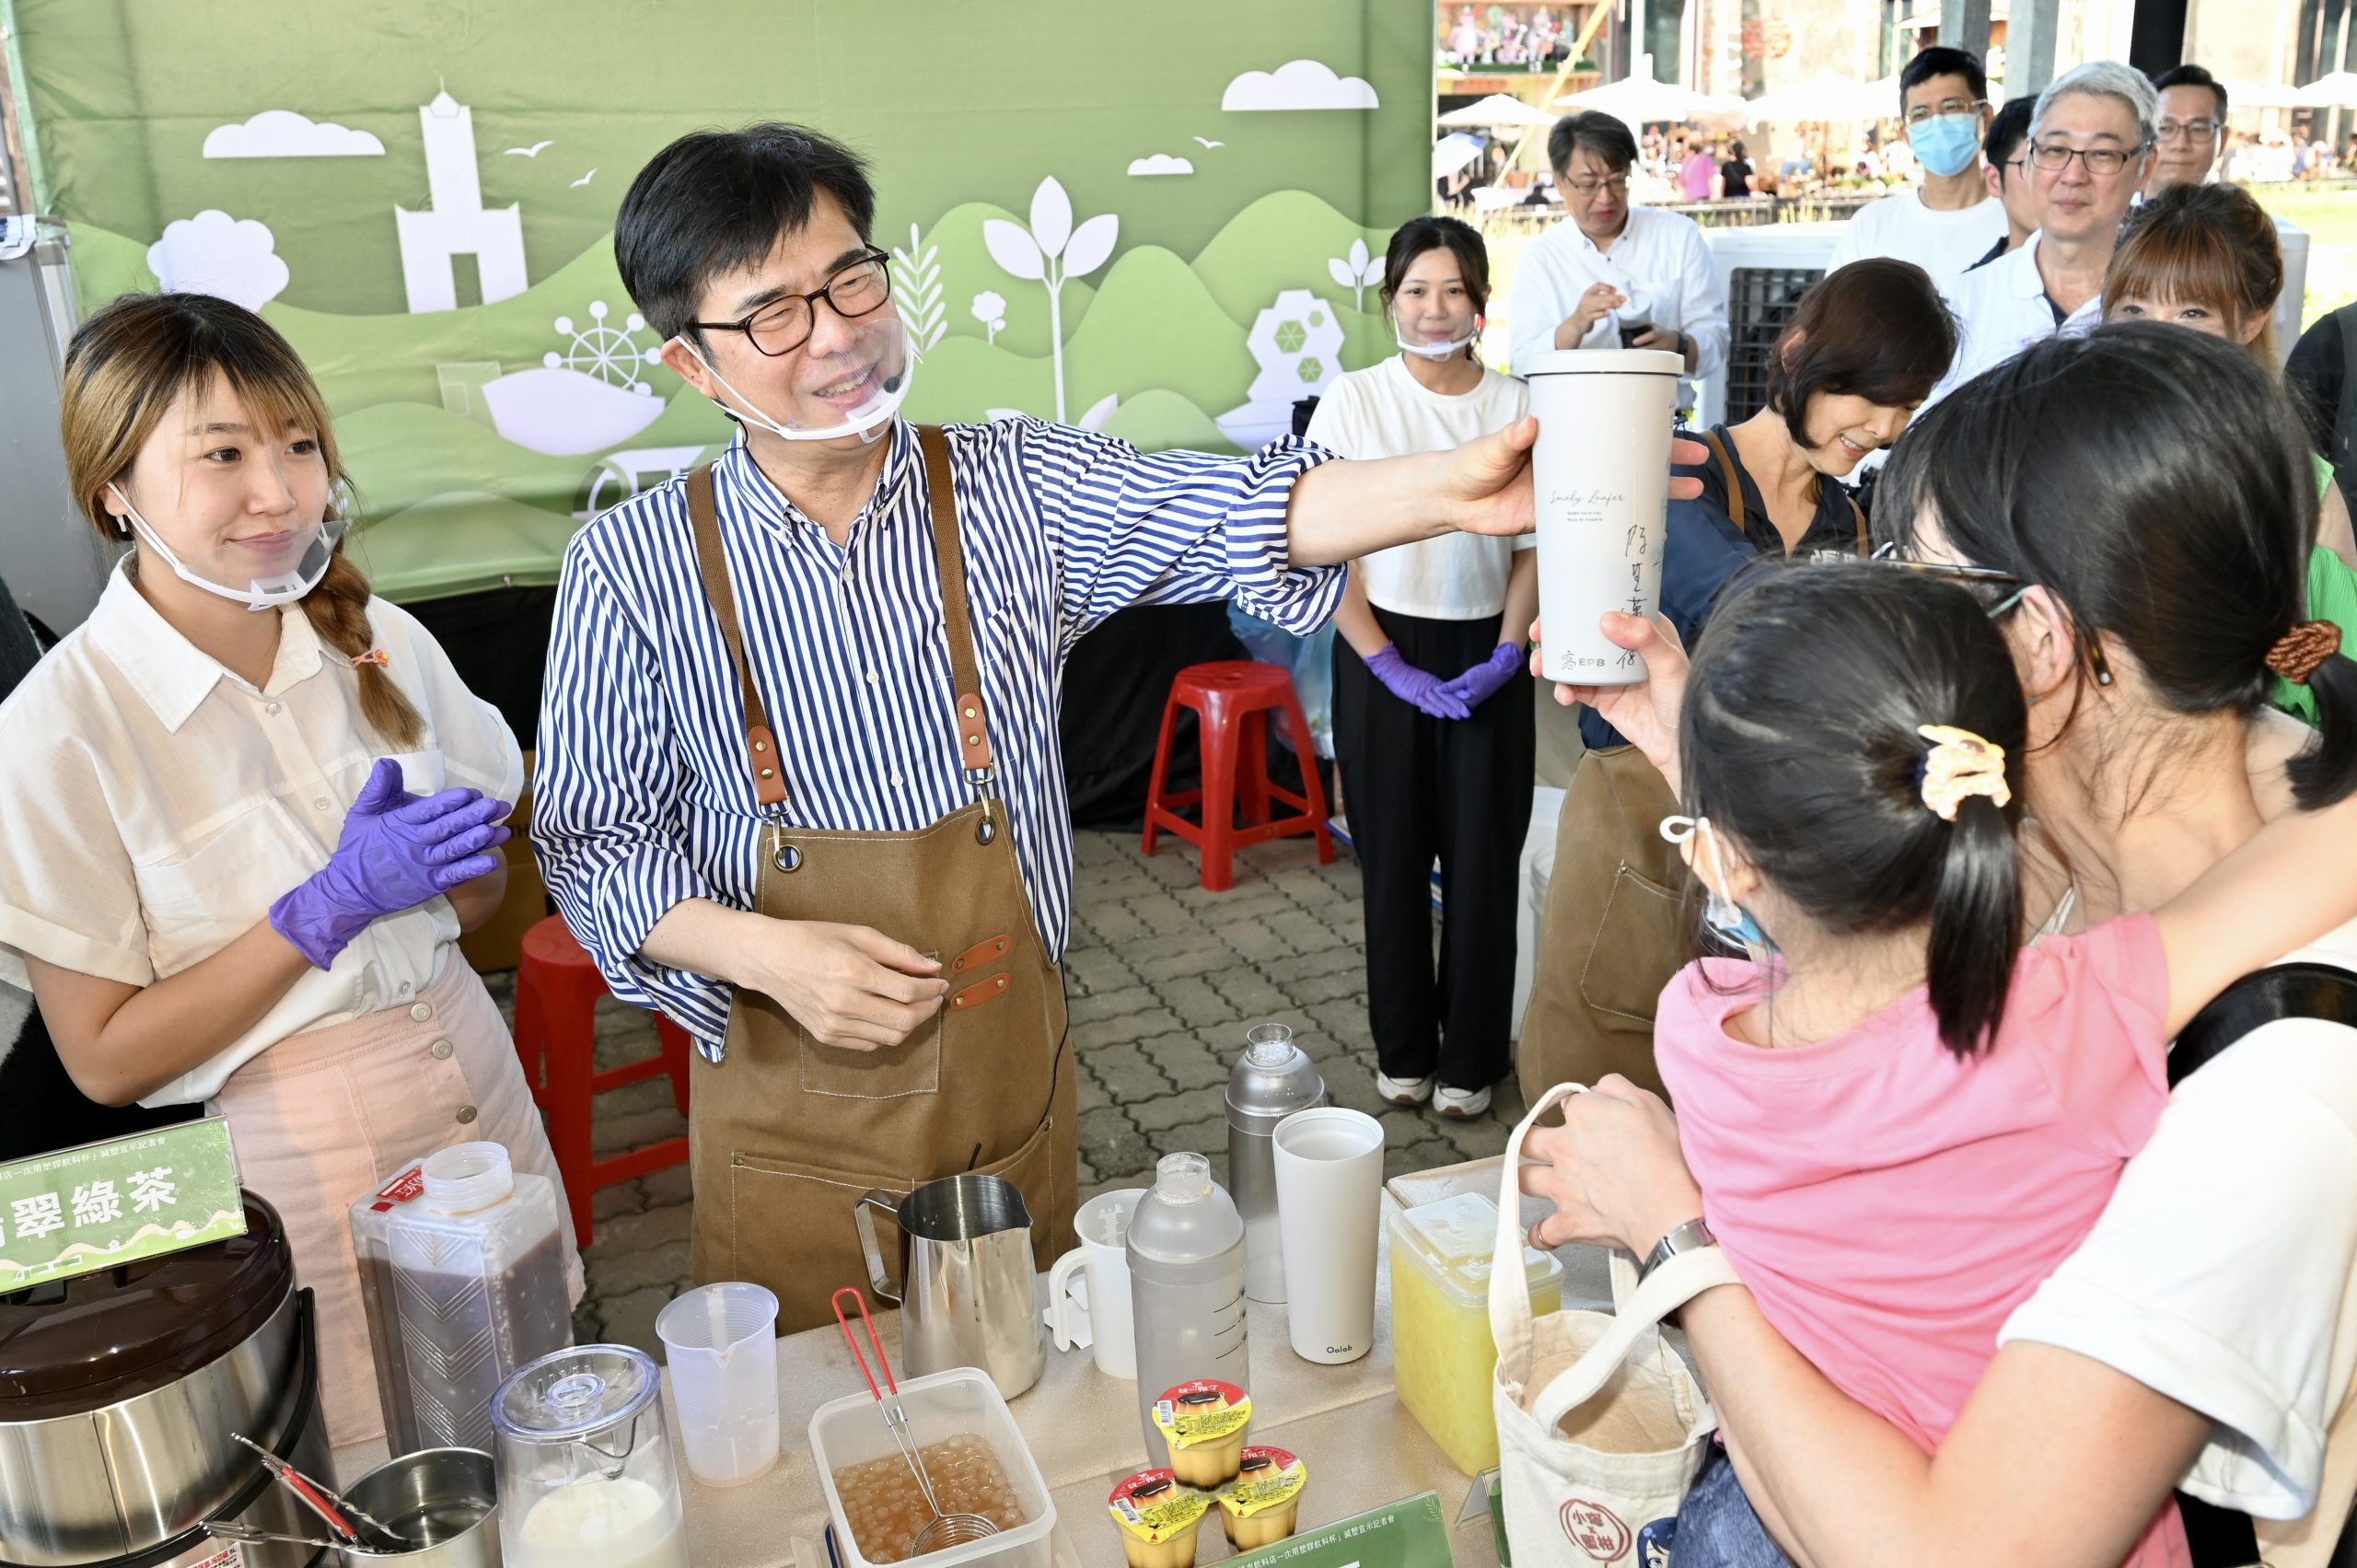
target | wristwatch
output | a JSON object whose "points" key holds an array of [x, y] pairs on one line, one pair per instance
{"points": [[1692, 1236]]}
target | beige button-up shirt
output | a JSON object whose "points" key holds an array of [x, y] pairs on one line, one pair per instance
{"points": [[153, 806]]}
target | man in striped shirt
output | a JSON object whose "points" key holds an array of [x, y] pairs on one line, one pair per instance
{"points": [[749, 251]]}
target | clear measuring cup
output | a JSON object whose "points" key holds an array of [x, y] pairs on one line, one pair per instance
{"points": [[585, 1473], [721, 1343]]}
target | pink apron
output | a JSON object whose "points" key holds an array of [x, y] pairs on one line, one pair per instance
{"points": [[328, 1116]]}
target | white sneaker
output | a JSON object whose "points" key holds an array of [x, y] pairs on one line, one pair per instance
{"points": [[1461, 1105], [1408, 1091]]}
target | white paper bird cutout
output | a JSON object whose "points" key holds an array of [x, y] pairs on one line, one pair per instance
{"points": [[1209, 143], [585, 180], [532, 151]]}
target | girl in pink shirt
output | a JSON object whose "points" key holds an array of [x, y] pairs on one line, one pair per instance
{"points": [[1900, 1118]]}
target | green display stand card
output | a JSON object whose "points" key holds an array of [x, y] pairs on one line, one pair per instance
{"points": [[103, 1205], [1411, 1533]]}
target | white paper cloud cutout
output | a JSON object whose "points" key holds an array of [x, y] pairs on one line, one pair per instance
{"points": [[213, 253], [1297, 83], [281, 132], [1161, 163]]}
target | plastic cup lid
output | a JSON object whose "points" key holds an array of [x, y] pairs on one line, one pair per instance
{"points": [[571, 1393], [1604, 361]]}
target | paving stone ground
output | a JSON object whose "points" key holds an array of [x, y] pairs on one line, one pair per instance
{"points": [[1164, 979]]}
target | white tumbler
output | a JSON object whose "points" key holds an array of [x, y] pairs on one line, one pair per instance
{"points": [[1103, 1224], [1601, 470], [1329, 1201]]}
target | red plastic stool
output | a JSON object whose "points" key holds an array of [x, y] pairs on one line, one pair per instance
{"points": [[1231, 697], [557, 987]]}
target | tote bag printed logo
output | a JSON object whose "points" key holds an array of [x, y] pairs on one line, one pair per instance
{"points": [[1595, 1530]]}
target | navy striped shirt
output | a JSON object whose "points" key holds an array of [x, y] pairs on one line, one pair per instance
{"points": [[643, 799]]}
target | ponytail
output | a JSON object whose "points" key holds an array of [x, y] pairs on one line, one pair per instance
{"points": [[2327, 771], [1975, 925], [338, 608]]}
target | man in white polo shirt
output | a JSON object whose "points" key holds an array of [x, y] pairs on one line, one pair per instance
{"points": [[1950, 221], [2090, 146]]}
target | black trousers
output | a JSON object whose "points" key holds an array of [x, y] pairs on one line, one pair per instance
{"points": [[1417, 789]]}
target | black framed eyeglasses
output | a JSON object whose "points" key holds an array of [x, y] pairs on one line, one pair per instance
{"points": [[2103, 162], [2010, 587], [2200, 132], [858, 287]]}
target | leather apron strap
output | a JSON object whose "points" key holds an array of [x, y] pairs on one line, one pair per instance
{"points": [[712, 564]]}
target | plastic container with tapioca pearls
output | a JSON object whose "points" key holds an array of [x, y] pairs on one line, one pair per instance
{"points": [[1443, 1356], [958, 1402]]}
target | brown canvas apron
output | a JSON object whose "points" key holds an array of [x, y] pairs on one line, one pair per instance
{"points": [[787, 1135]]}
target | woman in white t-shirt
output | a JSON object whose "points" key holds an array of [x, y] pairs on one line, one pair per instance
{"points": [[1433, 730], [245, 810], [2151, 513]]}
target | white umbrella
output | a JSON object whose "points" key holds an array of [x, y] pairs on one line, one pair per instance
{"points": [[2262, 95], [1498, 109], [2337, 91], [1640, 100], [1453, 152]]}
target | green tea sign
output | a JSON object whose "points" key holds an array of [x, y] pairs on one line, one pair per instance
{"points": [[106, 1204], [1410, 1533]]}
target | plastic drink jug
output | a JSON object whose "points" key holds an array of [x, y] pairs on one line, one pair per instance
{"points": [[1103, 1224], [1186, 1246], [584, 1474], [721, 1343], [1273, 1079], [463, 1274]]}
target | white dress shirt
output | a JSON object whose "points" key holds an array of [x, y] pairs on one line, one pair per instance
{"points": [[153, 806], [2001, 309], [1660, 258]]}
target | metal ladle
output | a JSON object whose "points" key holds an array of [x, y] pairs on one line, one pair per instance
{"points": [[946, 1529]]}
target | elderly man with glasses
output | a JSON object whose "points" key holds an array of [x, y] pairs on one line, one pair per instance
{"points": [[2091, 144], [2192, 128]]}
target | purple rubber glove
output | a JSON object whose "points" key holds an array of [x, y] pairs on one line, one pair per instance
{"points": [[396, 850], [1486, 679], [1419, 688]]}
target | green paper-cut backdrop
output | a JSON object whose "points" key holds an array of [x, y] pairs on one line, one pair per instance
{"points": [[1161, 220]]}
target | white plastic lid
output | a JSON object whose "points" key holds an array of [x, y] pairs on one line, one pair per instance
{"points": [[467, 1177], [1182, 1178], [1455, 1241], [1604, 361]]}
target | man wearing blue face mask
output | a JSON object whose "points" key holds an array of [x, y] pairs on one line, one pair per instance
{"points": [[1949, 221]]}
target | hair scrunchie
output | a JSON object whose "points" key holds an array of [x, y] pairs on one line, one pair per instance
{"points": [[1960, 764], [2298, 652]]}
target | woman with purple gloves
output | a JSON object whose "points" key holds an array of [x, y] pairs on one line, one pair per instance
{"points": [[1433, 728], [245, 810]]}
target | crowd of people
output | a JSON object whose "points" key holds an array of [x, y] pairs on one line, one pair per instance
{"points": [[1992, 778]]}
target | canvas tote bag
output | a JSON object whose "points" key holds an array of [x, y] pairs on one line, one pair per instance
{"points": [[1600, 1427]]}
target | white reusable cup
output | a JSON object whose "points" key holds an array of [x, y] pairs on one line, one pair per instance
{"points": [[1104, 1227], [1601, 471], [1329, 1198], [721, 1343]]}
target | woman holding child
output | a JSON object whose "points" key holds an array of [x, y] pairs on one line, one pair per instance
{"points": [[2131, 514]]}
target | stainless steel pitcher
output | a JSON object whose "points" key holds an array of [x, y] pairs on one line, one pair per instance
{"points": [[965, 1295]]}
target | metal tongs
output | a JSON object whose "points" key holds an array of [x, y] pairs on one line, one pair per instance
{"points": [[945, 1530], [335, 1511]]}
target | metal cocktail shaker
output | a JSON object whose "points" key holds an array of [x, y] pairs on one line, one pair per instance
{"points": [[1275, 1079]]}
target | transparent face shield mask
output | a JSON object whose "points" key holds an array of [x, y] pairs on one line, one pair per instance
{"points": [[853, 392], [1426, 348], [259, 571]]}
